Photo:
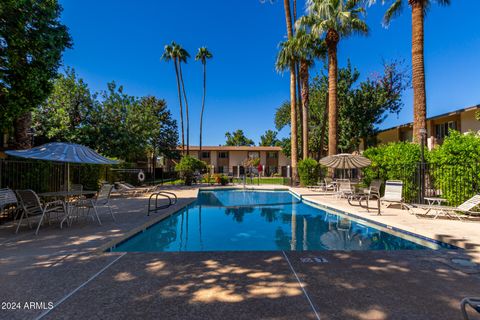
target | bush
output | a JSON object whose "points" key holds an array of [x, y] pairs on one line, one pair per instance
{"points": [[308, 171], [187, 167], [455, 166], [221, 179], [395, 161]]}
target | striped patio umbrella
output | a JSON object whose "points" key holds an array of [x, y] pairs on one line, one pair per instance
{"points": [[345, 161], [62, 152]]}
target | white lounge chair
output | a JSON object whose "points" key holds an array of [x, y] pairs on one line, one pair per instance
{"points": [[468, 208], [344, 188], [393, 193]]}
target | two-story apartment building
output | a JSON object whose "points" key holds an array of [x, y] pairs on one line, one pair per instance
{"points": [[231, 159], [462, 120]]}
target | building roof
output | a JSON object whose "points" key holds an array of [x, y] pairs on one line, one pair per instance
{"points": [[451, 113], [232, 148]]}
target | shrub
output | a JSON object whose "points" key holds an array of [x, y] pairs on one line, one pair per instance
{"points": [[455, 166], [187, 167], [308, 170], [221, 179], [395, 161]]}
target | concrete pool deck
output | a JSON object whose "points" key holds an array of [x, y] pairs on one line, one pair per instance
{"points": [[64, 267]]}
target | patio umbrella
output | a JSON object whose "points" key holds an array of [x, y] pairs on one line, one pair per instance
{"points": [[62, 152], [345, 161]]}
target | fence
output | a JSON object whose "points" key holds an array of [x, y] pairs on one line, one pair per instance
{"points": [[452, 182]]}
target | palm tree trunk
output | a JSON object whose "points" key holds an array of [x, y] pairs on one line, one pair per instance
{"points": [[21, 126], [418, 71], [203, 101], [181, 106], [293, 99], [186, 107], [332, 41], [324, 127], [305, 104], [299, 103]]}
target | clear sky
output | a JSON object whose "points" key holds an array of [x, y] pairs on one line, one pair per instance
{"points": [[123, 40]]}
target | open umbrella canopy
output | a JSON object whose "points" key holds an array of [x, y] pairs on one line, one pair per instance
{"points": [[62, 152], [345, 161]]}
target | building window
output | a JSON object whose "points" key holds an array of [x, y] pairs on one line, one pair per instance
{"points": [[442, 130], [223, 155], [253, 154], [272, 155], [205, 154]]}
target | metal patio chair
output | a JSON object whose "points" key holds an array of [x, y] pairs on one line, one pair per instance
{"points": [[31, 206], [8, 202], [102, 200], [393, 193]]}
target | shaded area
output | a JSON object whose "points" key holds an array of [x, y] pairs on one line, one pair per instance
{"points": [[191, 286], [384, 285]]}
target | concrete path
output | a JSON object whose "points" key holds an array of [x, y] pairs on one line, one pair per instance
{"points": [[66, 269]]}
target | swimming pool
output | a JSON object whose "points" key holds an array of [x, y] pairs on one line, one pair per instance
{"points": [[240, 220]]}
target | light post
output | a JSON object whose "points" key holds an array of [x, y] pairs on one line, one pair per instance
{"points": [[423, 135]]}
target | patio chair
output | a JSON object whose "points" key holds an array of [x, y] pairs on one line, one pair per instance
{"points": [[393, 193], [8, 202], [474, 303], [344, 188], [102, 200], [126, 189], [468, 208], [31, 206]]}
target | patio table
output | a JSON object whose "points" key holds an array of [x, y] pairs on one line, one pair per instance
{"points": [[434, 203], [65, 195]]}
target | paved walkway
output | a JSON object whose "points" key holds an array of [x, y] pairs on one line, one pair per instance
{"points": [[63, 267], [462, 234]]}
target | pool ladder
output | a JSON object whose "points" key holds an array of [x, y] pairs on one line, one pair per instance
{"points": [[170, 196]]}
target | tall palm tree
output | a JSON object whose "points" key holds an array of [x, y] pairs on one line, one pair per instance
{"points": [[308, 48], [202, 55], [419, 8], [182, 55], [170, 54], [336, 19], [293, 96]]}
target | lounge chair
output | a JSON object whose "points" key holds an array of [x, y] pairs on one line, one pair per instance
{"points": [[31, 206], [468, 208], [127, 189], [393, 193], [101, 200]]}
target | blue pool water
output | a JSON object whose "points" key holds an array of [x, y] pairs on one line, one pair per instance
{"points": [[238, 220]]}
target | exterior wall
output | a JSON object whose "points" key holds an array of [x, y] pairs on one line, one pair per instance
{"points": [[391, 135], [469, 122], [283, 160], [237, 157]]}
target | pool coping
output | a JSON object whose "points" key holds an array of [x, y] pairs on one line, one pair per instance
{"points": [[379, 224], [107, 248]]}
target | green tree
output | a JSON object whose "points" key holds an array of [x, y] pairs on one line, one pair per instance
{"points": [[237, 138], [171, 53], [269, 139], [286, 54], [32, 40], [308, 48], [419, 8], [202, 55], [187, 167], [336, 19], [362, 105], [61, 117], [182, 56]]}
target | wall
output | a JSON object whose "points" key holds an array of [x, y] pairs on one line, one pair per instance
{"points": [[468, 121]]}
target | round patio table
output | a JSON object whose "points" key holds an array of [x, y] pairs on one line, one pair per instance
{"points": [[65, 195]]}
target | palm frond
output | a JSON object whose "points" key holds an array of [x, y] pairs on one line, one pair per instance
{"points": [[392, 12]]}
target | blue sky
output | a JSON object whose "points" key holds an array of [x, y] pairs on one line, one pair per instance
{"points": [[123, 40]]}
